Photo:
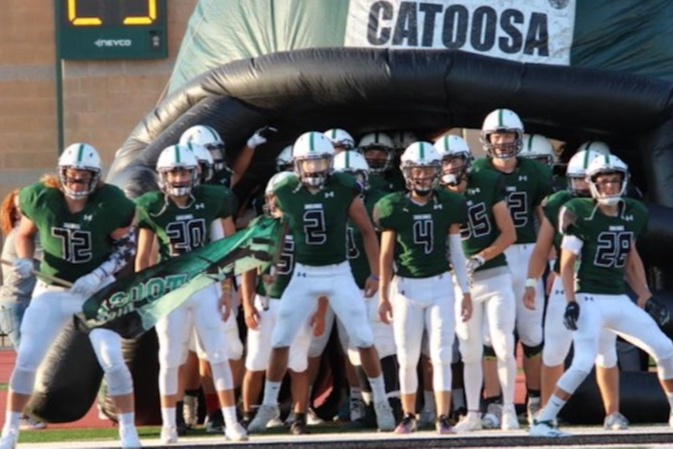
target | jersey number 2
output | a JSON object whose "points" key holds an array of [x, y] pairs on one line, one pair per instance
{"points": [[517, 202], [75, 244], [314, 227]]}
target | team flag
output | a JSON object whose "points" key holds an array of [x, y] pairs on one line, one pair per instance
{"points": [[133, 304]]}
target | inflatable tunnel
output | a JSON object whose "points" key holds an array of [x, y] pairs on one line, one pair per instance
{"points": [[428, 92]]}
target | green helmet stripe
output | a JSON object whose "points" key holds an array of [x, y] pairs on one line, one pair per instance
{"points": [[589, 145], [447, 144], [529, 145], [177, 154], [500, 112], [348, 159], [80, 152], [311, 142], [376, 137], [586, 159], [422, 148]]}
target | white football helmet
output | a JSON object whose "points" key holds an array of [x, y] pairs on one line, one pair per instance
{"points": [[596, 146], [79, 156], [421, 166], [205, 161], [377, 141], [313, 154], [177, 157], [210, 139], [354, 163], [449, 148], [577, 172], [402, 139], [340, 139], [538, 147], [269, 207], [284, 160], [502, 121], [604, 165]]}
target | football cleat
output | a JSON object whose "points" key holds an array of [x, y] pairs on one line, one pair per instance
{"points": [[384, 416], [616, 421], [265, 414], [407, 425], [545, 429], [469, 423], [169, 435], [236, 433]]}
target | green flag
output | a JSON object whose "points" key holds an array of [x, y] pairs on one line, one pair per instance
{"points": [[133, 304]]}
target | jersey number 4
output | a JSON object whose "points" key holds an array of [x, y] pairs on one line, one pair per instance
{"points": [[186, 235], [612, 249], [75, 244], [423, 234]]}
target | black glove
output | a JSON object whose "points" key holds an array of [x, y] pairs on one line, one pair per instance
{"points": [[571, 315], [657, 311]]}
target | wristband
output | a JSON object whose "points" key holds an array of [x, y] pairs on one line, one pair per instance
{"points": [[531, 282], [375, 277]]}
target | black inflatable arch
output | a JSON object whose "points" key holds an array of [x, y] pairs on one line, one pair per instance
{"points": [[425, 91]]}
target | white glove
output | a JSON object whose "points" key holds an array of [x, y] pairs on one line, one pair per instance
{"points": [[23, 267], [473, 263], [261, 136], [87, 285]]}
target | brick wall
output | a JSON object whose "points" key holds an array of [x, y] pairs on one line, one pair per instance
{"points": [[103, 100]]}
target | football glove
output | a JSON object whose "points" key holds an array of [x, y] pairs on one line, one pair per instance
{"points": [[658, 312], [23, 267], [261, 136], [87, 285], [473, 263], [571, 315]]}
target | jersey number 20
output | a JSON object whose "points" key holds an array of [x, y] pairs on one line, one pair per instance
{"points": [[186, 235]]}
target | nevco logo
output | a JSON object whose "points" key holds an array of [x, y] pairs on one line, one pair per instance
{"points": [[113, 43]]}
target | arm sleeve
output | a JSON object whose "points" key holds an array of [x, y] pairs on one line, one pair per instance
{"points": [[572, 244], [123, 250], [458, 262], [216, 230]]}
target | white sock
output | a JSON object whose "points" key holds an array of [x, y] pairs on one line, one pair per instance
{"points": [[127, 420], [551, 410], [271, 391], [378, 388], [429, 401], [168, 416], [229, 414], [12, 421]]}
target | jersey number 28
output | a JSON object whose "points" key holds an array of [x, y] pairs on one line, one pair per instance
{"points": [[612, 249]]}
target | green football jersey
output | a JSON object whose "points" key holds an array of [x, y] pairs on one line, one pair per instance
{"points": [[75, 244], [421, 231], [356, 248], [318, 220], [526, 187], [484, 190], [390, 181], [284, 270], [552, 207], [607, 242], [222, 178], [179, 230]]}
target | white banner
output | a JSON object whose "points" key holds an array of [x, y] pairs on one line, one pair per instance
{"points": [[539, 31]]}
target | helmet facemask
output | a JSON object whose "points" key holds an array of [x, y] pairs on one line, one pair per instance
{"points": [[543, 159], [503, 150], [601, 186], [182, 187], [421, 179], [217, 151], [65, 173], [578, 186], [206, 172], [452, 173], [270, 208], [379, 158], [313, 171]]}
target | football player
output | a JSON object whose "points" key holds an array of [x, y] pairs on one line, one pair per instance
{"points": [[415, 226], [183, 216], [341, 140], [557, 337], [600, 234], [87, 232], [261, 301], [527, 183], [317, 204], [539, 148], [207, 137], [384, 340], [378, 150], [488, 231]]}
